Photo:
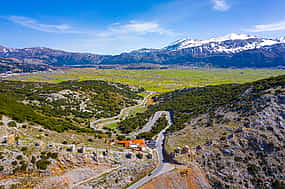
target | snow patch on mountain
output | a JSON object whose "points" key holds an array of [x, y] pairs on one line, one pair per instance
{"points": [[231, 43]]}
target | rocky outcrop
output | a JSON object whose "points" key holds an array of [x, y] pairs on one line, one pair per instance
{"points": [[239, 148]]}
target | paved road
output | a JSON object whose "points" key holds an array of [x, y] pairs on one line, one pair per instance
{"points": [[162, 166], [152, 121], [98, 124]]}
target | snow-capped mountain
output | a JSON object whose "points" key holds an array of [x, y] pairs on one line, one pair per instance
{"points": [[233, 50], [232, 43]]}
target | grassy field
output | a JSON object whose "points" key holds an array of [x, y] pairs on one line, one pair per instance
{"points": [[157, 80]]}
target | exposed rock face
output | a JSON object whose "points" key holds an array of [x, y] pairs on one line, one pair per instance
{"points": [[187, 178], [242, 148]]}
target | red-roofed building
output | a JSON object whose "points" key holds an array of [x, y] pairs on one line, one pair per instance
{"points": [[136, 144]]}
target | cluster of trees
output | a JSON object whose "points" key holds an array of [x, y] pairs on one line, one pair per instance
{"points": [[159, 126], [134, 122]]}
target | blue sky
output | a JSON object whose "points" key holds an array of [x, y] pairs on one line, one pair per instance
{"points": [[112, 26]]}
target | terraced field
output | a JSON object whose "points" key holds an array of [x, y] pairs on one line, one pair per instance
{"points": [[157, 80]]}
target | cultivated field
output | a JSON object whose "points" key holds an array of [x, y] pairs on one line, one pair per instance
{"points": [[157, 80]]}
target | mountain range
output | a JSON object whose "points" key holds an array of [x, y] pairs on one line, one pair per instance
{"points": [[233, 50]]}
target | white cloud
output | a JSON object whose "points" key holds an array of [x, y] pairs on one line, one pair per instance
{"points": [[34, 24], [278, 26], [135, 27], [220, 5], [115, 29]]}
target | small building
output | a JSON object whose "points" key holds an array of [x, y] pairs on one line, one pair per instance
{"points": [[138, 144]]}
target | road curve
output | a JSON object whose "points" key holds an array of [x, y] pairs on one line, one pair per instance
{"points": [[114, 119], [162, 166], [152, 121]]}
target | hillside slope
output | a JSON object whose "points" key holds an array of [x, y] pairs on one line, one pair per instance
{"points": [[236, 132], [67, 105], [12, 65]]}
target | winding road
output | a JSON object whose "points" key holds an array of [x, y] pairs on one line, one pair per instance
{"points": [[152, 121], [98, 124], [162, 166]]}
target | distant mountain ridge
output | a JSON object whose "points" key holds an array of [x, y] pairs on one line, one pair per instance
{"points": [[233, 50], [231, 43]]}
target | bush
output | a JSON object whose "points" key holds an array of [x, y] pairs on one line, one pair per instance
{"points": [[64, 142], [12, 124], [33, 160], [252, 169], [23, 149], [121, 137], [51, 155], [42, 164], [278, 184], [19, 157], [239, 159], [90, 140]]}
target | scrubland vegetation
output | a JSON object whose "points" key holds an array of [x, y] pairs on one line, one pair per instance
{"points": [[64, 106]]}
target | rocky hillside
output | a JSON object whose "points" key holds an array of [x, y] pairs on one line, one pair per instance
{"points": [[13, 65], [66, 105], [236, 132], [234, 50], [49, 56]]}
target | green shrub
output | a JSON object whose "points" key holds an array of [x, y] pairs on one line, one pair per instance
{"points": [[239, 159], [12, 124], [64, 142], [277, 184], [23, 149], [42, 164], [121, 137], [19, 157], [33, 160], [252, 169]]}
